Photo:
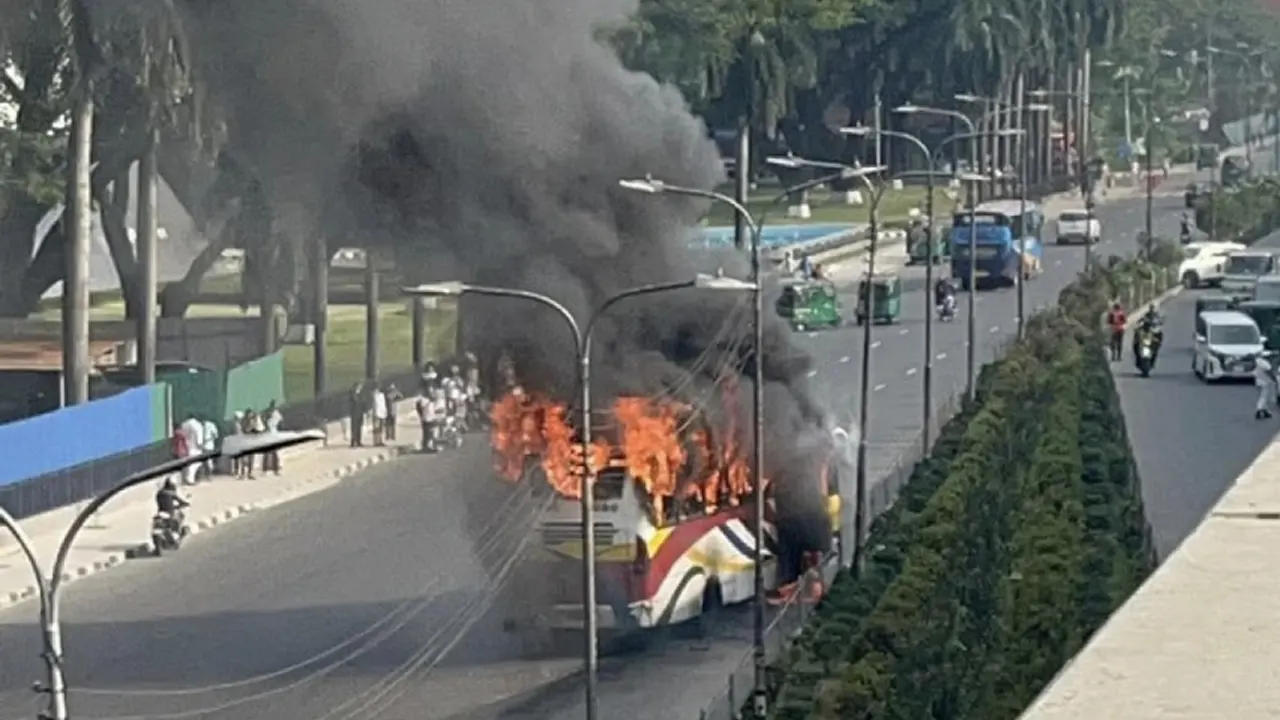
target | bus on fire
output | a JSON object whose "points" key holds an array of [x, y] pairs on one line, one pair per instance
{"points": [[674, 525]]}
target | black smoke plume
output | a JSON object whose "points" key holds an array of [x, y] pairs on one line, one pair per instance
{"points": [[483, 140]]}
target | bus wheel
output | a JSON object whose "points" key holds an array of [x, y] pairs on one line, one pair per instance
{"points": [[712, 601]]}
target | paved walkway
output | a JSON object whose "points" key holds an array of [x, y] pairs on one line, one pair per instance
{"points": [[1198, 640], [122, 528]]}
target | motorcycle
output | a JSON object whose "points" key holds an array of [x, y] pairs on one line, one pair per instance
{"points": [[448, 433], [1145, 358], [947, 309], [168, 530]]}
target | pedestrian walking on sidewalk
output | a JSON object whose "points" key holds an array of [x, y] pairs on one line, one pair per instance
{"points": [[393, 396], [210, 434], [236, 427], [250, 425], [1264, 378], [378, 408], [271, 420], [193, 429], [356, 409], [178, 443]]}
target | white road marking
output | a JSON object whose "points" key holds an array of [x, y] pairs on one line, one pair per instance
{"points": [[942, 356], [994, 329], [845, 359], [875, 345], [1057, 263], [878, 388], [903, 331], [911, 372], [812, 373]]}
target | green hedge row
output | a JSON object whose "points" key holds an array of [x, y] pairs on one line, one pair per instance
{"points": [[1011, 544]]}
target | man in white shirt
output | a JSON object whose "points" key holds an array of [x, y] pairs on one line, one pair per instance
{"points": [[428, 417], [379, 415], [1265, 380], [193, 430]]}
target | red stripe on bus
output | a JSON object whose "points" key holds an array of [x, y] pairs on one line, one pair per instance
{"points": [[681, 539]]}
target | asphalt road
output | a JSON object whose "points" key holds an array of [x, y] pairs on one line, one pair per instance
{"points": [[271, 591], [1192, 440]]}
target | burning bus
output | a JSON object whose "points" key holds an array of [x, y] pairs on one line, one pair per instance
{"points": [[674, 526]]}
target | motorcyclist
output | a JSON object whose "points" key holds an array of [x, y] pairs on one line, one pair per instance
{"points": [[943, 291], [1152, 326], [169, 502], [1187, 225], [1116, 322]]}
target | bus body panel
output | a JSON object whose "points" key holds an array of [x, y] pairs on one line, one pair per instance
{"points": [[999, 253]]}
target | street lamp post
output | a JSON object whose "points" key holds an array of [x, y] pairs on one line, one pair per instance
{"points": [[582, 353], [49, 585], [932, 156], [653, 186]]}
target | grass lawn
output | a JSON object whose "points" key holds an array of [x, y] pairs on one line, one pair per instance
{"points": [[829, 208], [346, 346]]}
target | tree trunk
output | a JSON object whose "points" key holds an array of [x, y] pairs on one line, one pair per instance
{"points": [[76, 361], [176, 297], [17, 233], [113, 208]]}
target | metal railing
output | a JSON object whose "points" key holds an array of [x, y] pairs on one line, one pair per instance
{"points": [[74, 484]]}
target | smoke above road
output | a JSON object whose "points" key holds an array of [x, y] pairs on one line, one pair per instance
{"points": [[483, 140]]}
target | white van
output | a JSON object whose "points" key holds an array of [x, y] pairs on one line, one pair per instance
{"points": [[1228, 344]]}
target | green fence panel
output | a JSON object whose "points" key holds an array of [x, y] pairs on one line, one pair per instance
{"points": [[161, 422], [200, 394], [255, 384]]}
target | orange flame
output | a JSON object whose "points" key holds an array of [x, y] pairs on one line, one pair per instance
{"points": [[647, 443]]}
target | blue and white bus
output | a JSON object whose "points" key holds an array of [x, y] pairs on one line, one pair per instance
{"points": [[1002, 231]]}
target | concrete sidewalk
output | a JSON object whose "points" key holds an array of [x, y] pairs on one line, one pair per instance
{"points": [[121, 530]]}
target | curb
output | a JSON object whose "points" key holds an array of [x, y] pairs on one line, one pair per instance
{"points": [[290, 491]]}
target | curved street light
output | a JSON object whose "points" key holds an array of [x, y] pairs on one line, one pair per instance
{"points": [[654, 186], [582, 353], [49, 585]]}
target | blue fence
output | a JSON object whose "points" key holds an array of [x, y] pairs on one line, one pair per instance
{"points": [[79, 434]]}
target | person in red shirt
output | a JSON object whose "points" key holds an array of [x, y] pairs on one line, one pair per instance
{"points": [[1116, 321]]}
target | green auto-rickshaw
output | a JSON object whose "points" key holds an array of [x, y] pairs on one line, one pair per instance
{"points": [[810, 305], [886, 298], [1267, 314]]}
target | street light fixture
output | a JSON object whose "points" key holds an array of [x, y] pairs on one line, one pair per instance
{"points": [[49, 585], [582, 350]]}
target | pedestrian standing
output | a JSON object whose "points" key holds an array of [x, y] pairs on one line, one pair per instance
{"points": [[271, 420], [394, 396], [355, 411], [236, 427], [193, 430], [378, 407], [210, 433], [178, 443], [250, 425], [1265, 380]]}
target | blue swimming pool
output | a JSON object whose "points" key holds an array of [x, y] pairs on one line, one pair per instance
{"points": [[773, 236]]}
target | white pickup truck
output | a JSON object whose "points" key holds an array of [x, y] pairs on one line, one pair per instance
{"points": [[1204, 263], [1078, 226]]}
